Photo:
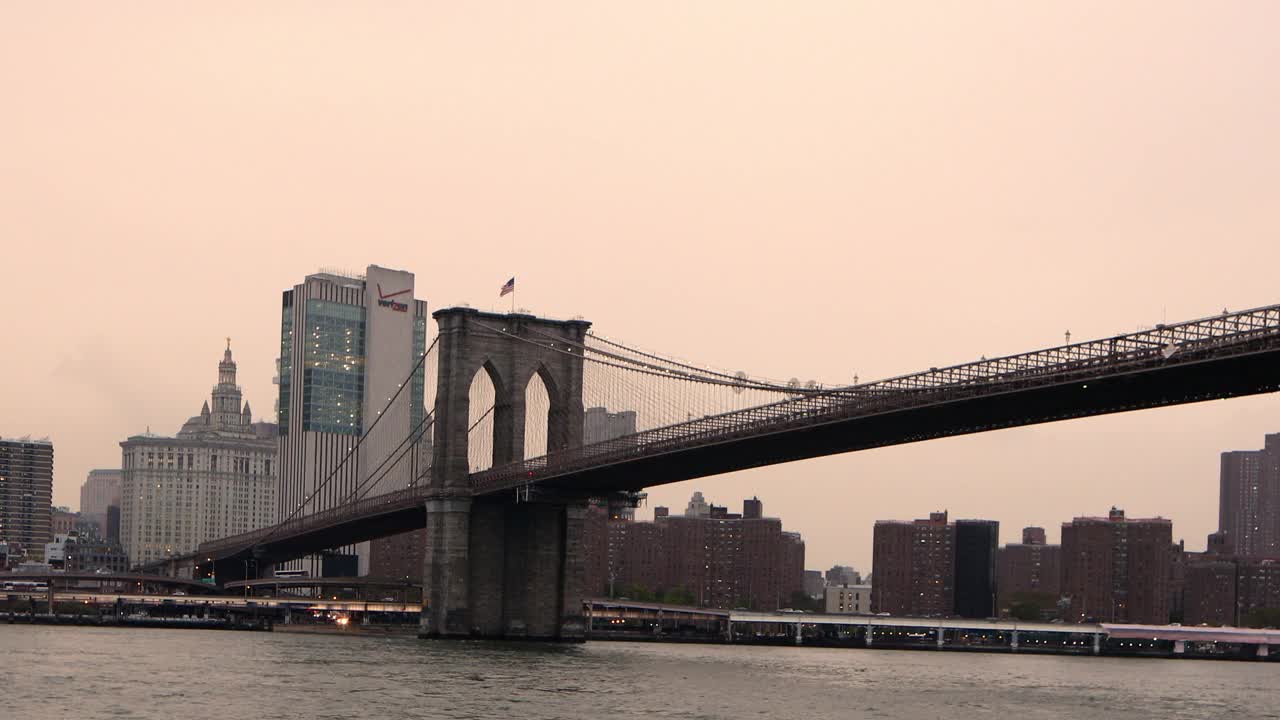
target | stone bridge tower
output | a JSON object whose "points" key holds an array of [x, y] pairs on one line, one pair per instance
{"points": [[497, 567]]}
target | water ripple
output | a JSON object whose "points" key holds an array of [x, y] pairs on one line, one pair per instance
{"points": [[61, 672]]}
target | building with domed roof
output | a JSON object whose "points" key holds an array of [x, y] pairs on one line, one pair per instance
{"points": [[217, 477]]}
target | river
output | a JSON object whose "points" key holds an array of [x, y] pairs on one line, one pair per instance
{"points": [[79, 672]]}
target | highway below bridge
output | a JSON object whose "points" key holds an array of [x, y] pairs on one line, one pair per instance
{"points": [[649, 622]]}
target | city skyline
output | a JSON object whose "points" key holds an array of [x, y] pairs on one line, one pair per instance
{"points": [[807, 215]]}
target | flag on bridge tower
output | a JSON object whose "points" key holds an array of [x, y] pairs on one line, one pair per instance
{"points": [[509, 287]]}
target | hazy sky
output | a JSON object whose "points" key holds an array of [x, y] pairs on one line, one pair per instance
{"points": [[809, 189]]}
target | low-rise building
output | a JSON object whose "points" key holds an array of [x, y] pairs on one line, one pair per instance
{"points": [[847, 599], [89, 555], [55, 552], [74, 552]]}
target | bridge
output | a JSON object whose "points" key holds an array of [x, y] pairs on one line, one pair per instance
{"points": [[509, 464]]}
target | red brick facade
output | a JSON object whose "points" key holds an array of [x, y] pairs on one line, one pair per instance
{"points": [[1116, 569], [913, 566], [720, 560]]}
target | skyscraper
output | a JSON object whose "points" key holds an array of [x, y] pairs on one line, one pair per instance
{"points": [[215, 479], [347, 343], [99, 491], [26, 494], [598, 424], [1249, 499]]}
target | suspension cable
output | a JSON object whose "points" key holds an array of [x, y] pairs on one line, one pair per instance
{"points": [[656, 371], [677, 363], [351, 452], [413, 436]]}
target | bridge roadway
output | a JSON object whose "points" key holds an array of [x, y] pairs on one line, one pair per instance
{"points": [[1232, 355]]}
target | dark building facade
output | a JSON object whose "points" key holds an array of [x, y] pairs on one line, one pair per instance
{"points": [[1222, 588], [1257, 589], [112, 531], [1033, 536], [1117, 569], [1209, 590], [976, 543], [1249, 499], [26, 495], [398, 556]]}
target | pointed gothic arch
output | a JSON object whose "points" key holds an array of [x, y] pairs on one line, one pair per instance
{"points": [[512, 349]]}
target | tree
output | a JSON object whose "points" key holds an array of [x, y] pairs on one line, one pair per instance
{"points": [[1263, 618], [801, 601], [679, 596], [1030, 605], [638, 593], [1024, 611]]}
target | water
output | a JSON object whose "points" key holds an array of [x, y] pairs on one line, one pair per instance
{"points": [[72, 672]]}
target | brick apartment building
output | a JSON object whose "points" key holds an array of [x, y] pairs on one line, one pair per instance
{"points": [[1030, 569], [1117, 569], [1221, 587], [921, 568], [709, 556]]}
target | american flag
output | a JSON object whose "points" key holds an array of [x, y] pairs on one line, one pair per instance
{"points": [[510, 287]]}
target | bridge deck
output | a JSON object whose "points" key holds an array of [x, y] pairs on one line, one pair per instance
{"points": [[1231, 355]]}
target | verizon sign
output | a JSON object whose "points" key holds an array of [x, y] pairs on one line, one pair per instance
{"points": [[387, 300]]}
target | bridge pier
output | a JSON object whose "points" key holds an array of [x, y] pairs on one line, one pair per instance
{"points": [[498, 567], [446, 569], [573, 571], [503, 571]]}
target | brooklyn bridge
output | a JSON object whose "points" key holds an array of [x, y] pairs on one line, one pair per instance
{"points": [[499, 472]]}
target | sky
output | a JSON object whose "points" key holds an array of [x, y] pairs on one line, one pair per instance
{"points": [[813, 190]]}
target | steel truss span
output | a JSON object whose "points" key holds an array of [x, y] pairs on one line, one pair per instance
{"points": [[1211, 358], [1228, 355]]}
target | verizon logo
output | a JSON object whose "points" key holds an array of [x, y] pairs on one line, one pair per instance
{"points": [[385, 300]]}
